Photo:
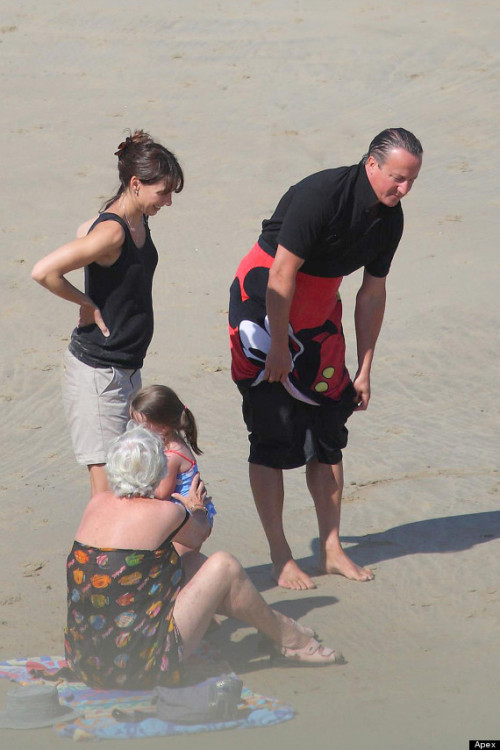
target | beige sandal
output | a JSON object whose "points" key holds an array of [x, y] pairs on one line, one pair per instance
{"points": [[267, 646], [313, 654]]}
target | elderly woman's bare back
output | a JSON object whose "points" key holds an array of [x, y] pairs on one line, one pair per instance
{"points": [[142, 523]]}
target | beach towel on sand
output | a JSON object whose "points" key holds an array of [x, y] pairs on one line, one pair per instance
{"points": [[98, 722]]}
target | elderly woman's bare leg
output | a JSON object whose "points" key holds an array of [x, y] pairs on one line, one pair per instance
{"points": [[222, 586], [192, 562]]}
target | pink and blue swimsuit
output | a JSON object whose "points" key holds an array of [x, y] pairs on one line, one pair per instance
{"points": [[184, 480]]}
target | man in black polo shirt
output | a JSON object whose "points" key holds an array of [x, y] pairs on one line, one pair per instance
{"points": [[287, 345]]}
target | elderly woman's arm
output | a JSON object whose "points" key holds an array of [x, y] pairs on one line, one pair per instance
{"points": [[197, 529]]}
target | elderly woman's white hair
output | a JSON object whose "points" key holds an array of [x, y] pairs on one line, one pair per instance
{"points": [[135, 463]]}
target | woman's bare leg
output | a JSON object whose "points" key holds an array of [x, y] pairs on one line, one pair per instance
{"points": [[192, 560], [221, 585], [98, 479]]}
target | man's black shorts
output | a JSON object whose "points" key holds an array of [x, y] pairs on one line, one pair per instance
{"points": [[286, 433]]}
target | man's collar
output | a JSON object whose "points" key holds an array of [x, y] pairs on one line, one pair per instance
{"points": [[366, 200]]}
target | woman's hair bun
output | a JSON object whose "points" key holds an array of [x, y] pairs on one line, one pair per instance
{"points": [[138, 136]]}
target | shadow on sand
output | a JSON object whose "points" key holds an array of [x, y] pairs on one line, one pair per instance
{"points": [[251, 652], [435, 535]]}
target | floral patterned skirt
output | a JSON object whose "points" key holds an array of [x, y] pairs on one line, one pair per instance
{"points": [[120, 629]]}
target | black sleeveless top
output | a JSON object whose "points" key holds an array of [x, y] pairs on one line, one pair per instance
{"points": [[123, 293]]}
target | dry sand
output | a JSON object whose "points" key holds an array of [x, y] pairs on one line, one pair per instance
{"points": [[253, 96]]}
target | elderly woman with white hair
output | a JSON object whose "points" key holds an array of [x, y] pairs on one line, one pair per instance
{"points": [[133, 612]]}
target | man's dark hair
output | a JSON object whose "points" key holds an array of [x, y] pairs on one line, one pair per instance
{"points": [[392, 138]]}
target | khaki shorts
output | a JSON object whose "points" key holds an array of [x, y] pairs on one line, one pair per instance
{"points": [[96, 403]]}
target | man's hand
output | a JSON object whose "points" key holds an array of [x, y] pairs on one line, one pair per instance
{"points": [[279, 296], [278, 365], [368, 317], [90, 314], [362, 387]]}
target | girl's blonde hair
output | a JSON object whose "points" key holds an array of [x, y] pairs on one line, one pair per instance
{"points": [[161, 405]]}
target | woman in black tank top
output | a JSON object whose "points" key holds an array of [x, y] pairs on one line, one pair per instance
{"points": [[115, 324]]}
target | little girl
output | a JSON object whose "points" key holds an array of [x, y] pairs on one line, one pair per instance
{"points": [[159, 409]]}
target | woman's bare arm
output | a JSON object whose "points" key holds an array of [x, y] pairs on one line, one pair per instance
{"points": [[102, 245], [197, 529]]}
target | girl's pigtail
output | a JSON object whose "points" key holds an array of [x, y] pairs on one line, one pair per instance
{"points": [[188, 426]]}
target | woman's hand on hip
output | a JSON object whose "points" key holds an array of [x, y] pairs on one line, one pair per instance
{"points": [[90, 314]]}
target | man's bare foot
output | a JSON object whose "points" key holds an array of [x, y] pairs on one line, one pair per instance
{"points": [[290, 576], [337, 563]]}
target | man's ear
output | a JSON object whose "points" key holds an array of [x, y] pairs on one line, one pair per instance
{"points": [[371, 163]]}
